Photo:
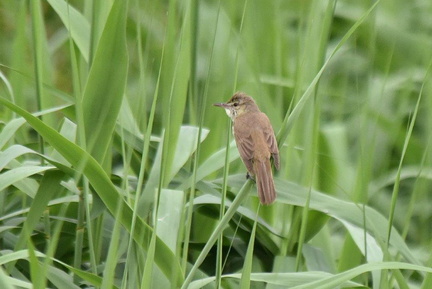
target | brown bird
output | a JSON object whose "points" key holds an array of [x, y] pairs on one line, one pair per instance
{"points": [[255, 141]]}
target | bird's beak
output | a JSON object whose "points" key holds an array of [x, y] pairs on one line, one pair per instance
{"points": [[227, 107], [222, 104]]}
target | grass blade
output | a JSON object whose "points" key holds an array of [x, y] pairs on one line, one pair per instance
{"points": [[247, 267], [106, 85]]}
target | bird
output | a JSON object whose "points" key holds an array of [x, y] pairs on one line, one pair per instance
{"points": [[256, 142]]}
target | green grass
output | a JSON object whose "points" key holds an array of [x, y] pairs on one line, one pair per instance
{"points": [[117, 172]]}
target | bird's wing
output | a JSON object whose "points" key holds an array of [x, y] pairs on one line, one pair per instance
{"points": [[270, 139], [245, 147]]}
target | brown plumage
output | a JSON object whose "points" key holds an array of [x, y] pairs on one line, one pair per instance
{"points": [[255, 141]]}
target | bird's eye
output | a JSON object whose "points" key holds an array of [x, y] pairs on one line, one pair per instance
{"points": [[235, 104]]}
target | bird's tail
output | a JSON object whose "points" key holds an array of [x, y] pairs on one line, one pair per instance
{"points": [[264, 182]]}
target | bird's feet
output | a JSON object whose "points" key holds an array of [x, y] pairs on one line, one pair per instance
{"points": [[249, 177]]}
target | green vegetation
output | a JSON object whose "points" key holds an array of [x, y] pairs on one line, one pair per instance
{"points": [[117, 172]]}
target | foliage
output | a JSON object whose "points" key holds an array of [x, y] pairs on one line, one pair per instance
{"points": [[117, 172]]}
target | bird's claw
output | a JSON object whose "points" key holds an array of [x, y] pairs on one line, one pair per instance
{"points": [[249, 177]]}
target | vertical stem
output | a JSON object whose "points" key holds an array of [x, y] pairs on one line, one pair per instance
{"points": [[222, 208], [79, 235], [83, 204], [47, 228], [38, 57], [201, 109]]}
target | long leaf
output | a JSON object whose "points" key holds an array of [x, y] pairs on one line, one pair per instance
{"points": [[376, 224], [105, 86], [316, 280]]}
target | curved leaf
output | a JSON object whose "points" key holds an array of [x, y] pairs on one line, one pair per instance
{"points": [[376, 224]]}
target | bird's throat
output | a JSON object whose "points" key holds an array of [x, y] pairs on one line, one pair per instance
{"points": [[230, 113]]}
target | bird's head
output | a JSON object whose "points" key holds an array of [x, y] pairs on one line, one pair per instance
{"points": [[238, 104]]}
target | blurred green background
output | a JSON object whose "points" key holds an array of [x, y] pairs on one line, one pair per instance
{"points": [[114, 163]]}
